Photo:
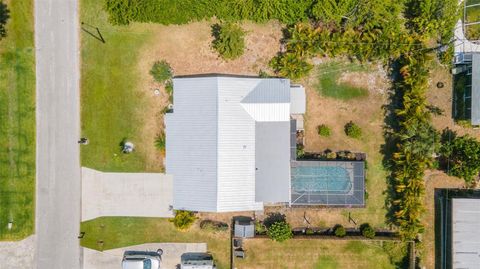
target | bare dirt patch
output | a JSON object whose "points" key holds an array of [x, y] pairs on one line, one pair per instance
{"points": [[374, 82], [443, 98], [187, 48]]}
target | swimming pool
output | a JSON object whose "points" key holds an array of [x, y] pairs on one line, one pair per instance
{"points": [[324, 179]]}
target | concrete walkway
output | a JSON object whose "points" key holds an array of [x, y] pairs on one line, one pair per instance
{"points": [[126, 194], [17, 254], [112, 259], [58, 189]]}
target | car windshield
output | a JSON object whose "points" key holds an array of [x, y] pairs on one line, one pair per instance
{"points": [[147, 264]]}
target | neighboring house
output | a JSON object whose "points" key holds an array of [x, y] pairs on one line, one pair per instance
{"points": [[231, 146], [466, 103], [457, 236]]}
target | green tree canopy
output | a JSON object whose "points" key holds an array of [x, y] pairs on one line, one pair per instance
{"points": [[4, 16]]}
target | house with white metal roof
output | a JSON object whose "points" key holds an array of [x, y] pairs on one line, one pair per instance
{"points": [[228, 141]]}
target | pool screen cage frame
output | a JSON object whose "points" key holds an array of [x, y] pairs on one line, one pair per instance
{"points": [[466, 24], [356, 198]]}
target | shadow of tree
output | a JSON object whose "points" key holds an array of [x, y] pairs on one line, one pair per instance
{"points": [[4, 16]]}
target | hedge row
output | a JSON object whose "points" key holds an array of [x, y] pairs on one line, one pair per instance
{"points": [[185, 11]]}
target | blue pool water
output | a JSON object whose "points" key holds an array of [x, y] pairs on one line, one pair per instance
{"points": [[325, 179]]}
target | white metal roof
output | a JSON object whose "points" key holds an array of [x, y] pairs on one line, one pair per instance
{"points": [[210, 140], [465, 236]]}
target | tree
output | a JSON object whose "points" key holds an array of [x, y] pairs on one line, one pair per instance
{"points": [[367, 230], [229, 40], [290, 65], [4, 16], [279, 231], [460, 155], [183, 219], [161, 71]]}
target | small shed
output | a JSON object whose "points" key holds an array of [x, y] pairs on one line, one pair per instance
{"points": [[244, 228]]}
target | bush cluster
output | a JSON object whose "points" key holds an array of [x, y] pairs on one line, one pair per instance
{"points": [[161, 71], [185, 11], [228, 40], [183, 219], [367, 230], [353, 130]]}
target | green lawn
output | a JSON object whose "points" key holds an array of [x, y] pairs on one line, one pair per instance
{"points": [[126, 231], [17, 123], [321, 254], [328, 75], [111, 103]]}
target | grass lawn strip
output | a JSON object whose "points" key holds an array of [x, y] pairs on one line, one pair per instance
{"points": [[119, 232], [17, 128], [329, 86], [113, 108]]}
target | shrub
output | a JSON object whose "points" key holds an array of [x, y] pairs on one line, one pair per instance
{"points": [[183, 219], [260, 228], [4, 16], [215, 226], [367, 230], [274, 218], [353, 130], [229, 40], [169, 87], [331, 155], [324, 130], [309, 232], [161, 71], [280, 231], [339, 230], [160, 141]]}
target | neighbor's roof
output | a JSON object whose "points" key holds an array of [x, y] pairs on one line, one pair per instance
{"points": [[211, 148], [465, 236], [475, 110]]}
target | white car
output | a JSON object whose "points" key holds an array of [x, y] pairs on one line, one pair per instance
{"points": [[142, 259]]}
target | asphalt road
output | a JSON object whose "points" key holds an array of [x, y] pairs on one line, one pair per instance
{"points": [[58, 128]]}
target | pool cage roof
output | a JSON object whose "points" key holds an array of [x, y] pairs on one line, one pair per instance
{"points": [[312, 174]]}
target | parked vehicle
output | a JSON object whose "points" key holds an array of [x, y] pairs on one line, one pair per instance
{"points": [[142, 259]]}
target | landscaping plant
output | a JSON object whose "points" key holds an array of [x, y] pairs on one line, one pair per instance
{"points": [[339, 230], [183, 219], [161, 71], [280, 231], [367, 230], [353, 130], [324, 130], [229, 40], [160, 141]]}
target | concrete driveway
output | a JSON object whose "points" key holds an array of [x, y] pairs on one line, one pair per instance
{"points": [[125, 194], [16, 253], [111, 259]]}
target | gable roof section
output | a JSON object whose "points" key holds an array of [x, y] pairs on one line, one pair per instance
{"points": [[211, 139]]}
